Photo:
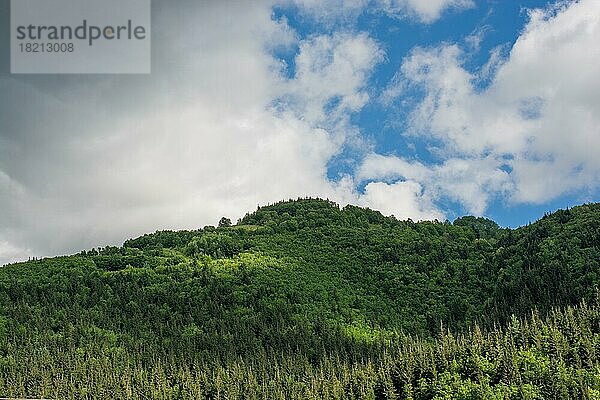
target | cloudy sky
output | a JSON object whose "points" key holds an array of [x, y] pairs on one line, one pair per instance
{"points": [[424, 109]]}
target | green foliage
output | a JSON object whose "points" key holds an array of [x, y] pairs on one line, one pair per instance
{"points": [[305, 300], [217, 245], [482, 227], [224, 222]]}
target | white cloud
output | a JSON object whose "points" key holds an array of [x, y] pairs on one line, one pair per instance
{"points": [[328, 11], [218, 128], [466, 181], [476, 37], [425, 11], [331, 76], [107, 158], [403, 199], [9, 253], [538, 119]]}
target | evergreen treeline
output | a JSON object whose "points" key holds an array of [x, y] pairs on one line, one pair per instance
{"points": [[303, 299]]}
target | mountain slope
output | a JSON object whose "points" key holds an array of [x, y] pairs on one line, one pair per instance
{"points": [[303, 283], [405, 275]]}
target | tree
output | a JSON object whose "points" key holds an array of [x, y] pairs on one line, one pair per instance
{"points": [[223, 222]]}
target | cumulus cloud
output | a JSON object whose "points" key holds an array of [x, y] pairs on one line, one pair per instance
{"points": [[328, 11], [531, 135], [215, 130], [425, 11], [466, 181], [403, 199], [220, 127], [9, 253], [331, 76]]}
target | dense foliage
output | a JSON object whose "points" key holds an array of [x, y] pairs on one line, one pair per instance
{"points": [[303, 299]]}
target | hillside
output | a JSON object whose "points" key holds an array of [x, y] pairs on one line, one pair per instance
{"points": [[304, 299]]}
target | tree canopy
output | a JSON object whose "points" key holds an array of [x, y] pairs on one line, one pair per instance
{"points": [[345, 302]]}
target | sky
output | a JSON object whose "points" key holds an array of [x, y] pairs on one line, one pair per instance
{"points": [[421, 109]]}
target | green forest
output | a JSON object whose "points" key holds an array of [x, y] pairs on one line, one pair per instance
{"points": [[304, 299]]}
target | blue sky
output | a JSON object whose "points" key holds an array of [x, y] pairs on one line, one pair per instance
{"points": [[493, 24], [421, 109]]}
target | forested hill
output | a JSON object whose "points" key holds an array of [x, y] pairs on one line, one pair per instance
{"points": [[304, 280], [355, 266]]}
